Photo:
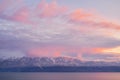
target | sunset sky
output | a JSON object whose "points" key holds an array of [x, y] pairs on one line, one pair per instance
{"points": [[83, 29]]}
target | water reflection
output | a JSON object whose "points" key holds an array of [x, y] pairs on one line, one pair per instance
{"points": [[59, 76]]}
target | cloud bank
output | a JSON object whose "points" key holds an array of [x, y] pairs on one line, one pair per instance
{"points": [[52, 30]]}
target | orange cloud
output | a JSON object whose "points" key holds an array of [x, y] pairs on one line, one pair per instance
{"points": [[91, 50], [115, 50]]}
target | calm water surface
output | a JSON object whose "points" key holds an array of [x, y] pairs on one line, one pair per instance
{"points": [[59, 76]]}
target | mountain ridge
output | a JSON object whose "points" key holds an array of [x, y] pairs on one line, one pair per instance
{"points": [[51, 61]]}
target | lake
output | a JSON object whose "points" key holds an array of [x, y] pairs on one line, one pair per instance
{"points": [[59, 76]]}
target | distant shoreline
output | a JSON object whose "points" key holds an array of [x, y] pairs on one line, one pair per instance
{"points": [[63, 69]]}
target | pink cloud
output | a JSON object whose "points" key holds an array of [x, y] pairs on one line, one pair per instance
{"points": [[45, 51], [5, 4], [25, 15], [52, 9], [22, 15], [80, 16], [55, 51]]}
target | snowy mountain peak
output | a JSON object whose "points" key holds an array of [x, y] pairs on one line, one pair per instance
{"points": [[49, 61]]}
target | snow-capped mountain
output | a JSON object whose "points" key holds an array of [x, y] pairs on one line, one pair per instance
{"points": [[55, 61]]}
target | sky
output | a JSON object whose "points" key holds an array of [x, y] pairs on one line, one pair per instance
{"points": [[85, 29]]}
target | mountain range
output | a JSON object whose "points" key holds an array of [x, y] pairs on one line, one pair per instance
{"points": [[55, 64]]}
